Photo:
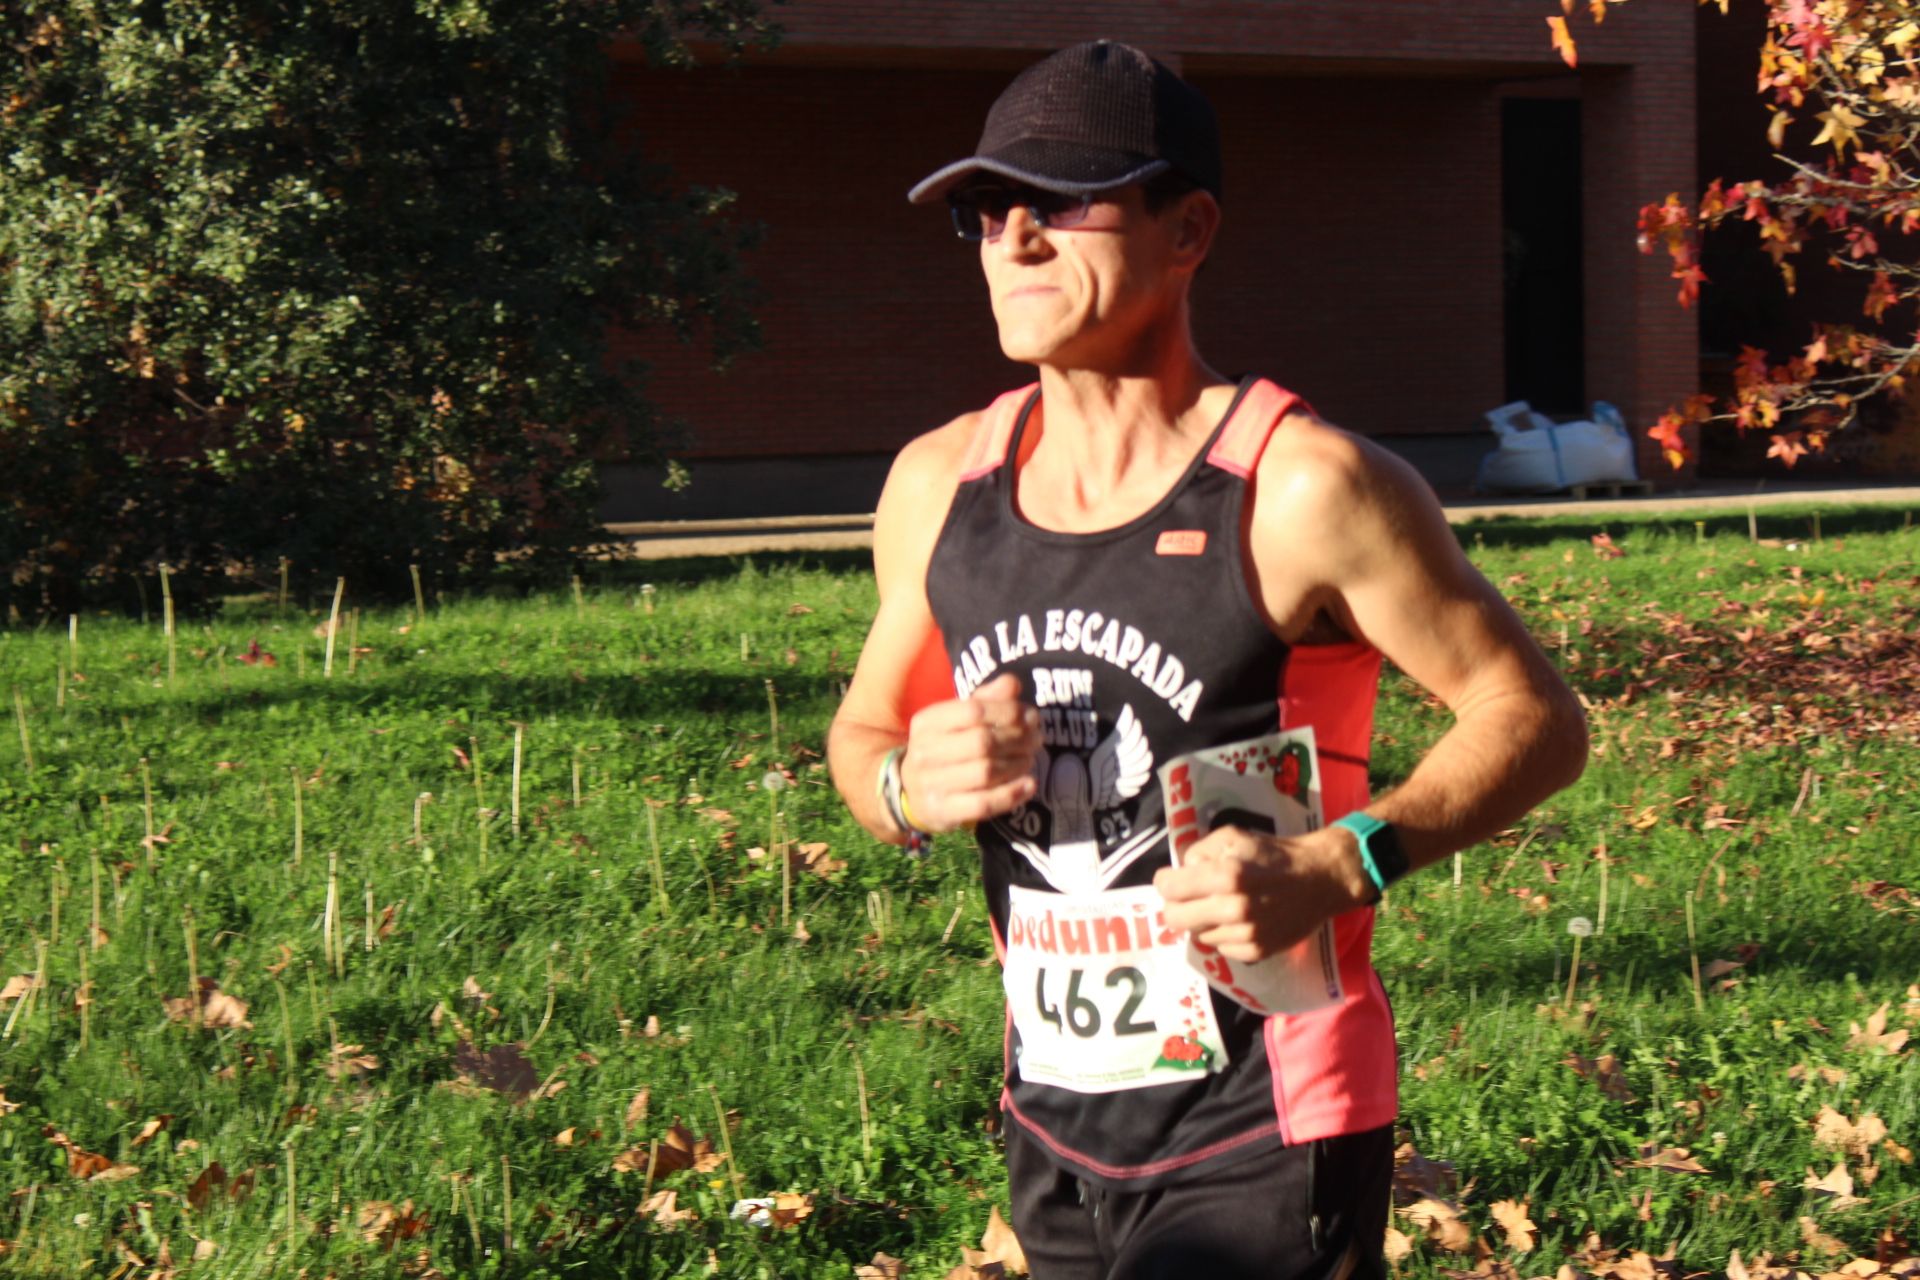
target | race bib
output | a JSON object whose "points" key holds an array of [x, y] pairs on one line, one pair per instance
{"points": [[1102, 994]]}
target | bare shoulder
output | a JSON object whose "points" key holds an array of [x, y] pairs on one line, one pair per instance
{"points": [[1316, 478], [913, 506]]}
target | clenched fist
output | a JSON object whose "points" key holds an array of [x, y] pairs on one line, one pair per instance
{"points": [[970, 759]]}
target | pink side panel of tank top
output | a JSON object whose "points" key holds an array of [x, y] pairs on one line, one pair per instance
{"points": [[1335, 1070]]}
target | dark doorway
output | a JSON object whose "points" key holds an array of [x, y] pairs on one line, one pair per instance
{"points": [[1540, 216]]}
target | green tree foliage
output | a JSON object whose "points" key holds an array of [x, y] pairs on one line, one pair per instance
{"points": [[331, 280]]}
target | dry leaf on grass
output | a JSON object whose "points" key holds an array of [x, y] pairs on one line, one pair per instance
{"points": [[564, 1138], [1835, 1132], [678, 1150], [150, 1128], [86, 1165], [637, 1109], [659, 1207], [1837, 1186], [1416, 1178], [882, 1267], [501, 1069], [1818, 1240], [347, 1062], [384, 1223], [7, 1107], [1604, 1071], [1875, 1033], [999, 1253], [1676, 1159], [1398, 1244], [1514, 1223], [217, 1008], [1442, 1223], [18, 985]]}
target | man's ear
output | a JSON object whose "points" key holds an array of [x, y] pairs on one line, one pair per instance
{"points": [[1196, 220]]}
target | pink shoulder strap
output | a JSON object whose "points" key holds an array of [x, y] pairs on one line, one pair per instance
{"points": [[1239, 447], [994, 435]]}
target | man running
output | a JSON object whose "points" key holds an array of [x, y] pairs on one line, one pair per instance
{"points": [[1135, 559]]}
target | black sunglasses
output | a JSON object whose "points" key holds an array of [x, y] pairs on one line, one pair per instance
{"points": [[980, 213]]}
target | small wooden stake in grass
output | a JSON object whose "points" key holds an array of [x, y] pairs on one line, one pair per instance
{"points": [[576, 777], [506, 1198], [1600, 925], [659, 871], [299, 818], [146, 799], [73, 642], [333, 624], [419, 597], [193, 966], [726, 1142], [646, 595], [579, 600], [1693, 954], [60, 684], [479, 796], [85, 998], [1699, 533], [94, 938], [745, 646], [330, 919], [166, 613], [866, 1118], [519, 732], [773, 720], [286, 1035], [368, 943], [283, 584], [1753, 524], [20, 714]]}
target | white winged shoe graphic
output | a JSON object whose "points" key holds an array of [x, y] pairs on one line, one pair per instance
{"points": [[1075, 789]]}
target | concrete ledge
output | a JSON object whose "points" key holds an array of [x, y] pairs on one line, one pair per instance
{"points": [[667, 539]]}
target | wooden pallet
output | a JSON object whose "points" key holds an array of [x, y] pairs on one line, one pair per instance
{"points": [[1612, 489]]}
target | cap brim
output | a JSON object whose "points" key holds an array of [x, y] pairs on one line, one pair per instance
{"points": [[1097, 176]]}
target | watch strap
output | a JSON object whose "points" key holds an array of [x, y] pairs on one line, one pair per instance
{"points": [[1381, 856]]}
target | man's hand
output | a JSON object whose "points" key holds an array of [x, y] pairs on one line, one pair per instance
{"points": [[1251, 896], [970, 759]]}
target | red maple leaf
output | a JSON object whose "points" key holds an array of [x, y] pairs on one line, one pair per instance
{"points": [[1787, 447], [255, 656]]}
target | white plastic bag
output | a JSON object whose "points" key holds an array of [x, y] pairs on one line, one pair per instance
{"points": [[1538, 455]]}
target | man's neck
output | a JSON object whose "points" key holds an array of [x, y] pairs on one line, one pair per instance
{"points": [[1104, 435]]}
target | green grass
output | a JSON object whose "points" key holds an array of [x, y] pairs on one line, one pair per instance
{"points": [[1774, 775]]}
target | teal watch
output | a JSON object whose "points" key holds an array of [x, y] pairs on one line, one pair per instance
{"points": [[1380, 852]]}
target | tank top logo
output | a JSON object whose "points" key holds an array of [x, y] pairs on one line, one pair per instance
{"points": [[1088, 771]]}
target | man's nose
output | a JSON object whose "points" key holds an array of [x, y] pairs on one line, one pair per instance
{"points": [[1021, 229]]}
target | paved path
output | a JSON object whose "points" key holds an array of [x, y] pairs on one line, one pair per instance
{"points": [[670, 539]]}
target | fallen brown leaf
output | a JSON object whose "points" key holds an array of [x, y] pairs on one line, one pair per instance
{"points": [[659, 1207], [1834, 1132], [149, 1129], [1875, 1033], [1604, 1071], [502, 1069], [1514, 1223], [1677, 1159], [1442, 1223], [1837, 1186], [882, 1267], [637, 1109]]}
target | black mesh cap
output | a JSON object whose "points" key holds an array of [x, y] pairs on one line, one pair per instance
{"points": [[1095, 116]]}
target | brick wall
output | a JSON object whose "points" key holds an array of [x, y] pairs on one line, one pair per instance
{"points": [[1360, 260]]}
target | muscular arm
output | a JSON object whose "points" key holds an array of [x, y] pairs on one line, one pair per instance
{"points": [[1397, 579], [1345, 531], [966, 759]]}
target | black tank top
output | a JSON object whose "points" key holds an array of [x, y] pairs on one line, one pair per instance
{"points": [[1138, 644]]}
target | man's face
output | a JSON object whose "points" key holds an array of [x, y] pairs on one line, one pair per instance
{"points": [[1095, 295]]}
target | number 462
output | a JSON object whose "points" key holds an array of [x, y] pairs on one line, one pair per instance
{"points": [[1081, 1015]]}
